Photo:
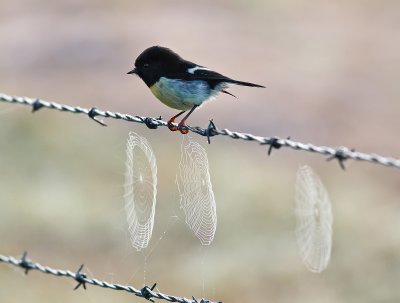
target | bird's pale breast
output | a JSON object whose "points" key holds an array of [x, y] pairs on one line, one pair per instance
{"points": [[181, 94]]}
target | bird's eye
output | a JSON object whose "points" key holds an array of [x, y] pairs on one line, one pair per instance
{"points": [[146, 65]]}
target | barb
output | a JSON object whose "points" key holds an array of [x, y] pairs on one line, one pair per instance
{"points": [[339, 153], [81, 278]]}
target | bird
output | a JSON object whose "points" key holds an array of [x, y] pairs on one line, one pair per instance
{"points": [[180, 84]]}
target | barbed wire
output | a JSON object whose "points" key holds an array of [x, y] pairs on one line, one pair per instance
{"points": [[341, 154], [82, 279]]}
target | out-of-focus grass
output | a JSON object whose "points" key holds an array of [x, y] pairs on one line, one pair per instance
{"points": [[331, 71]]}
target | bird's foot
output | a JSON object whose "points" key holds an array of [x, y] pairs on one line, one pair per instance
{"points": [[183, 128], [172, 126]]}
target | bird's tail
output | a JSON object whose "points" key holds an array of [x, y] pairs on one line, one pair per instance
{"points": [[245, 83]]}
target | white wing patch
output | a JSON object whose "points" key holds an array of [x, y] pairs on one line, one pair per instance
{"points": [[192, 70]]}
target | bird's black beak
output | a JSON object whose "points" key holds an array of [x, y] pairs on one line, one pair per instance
{"points": [[133, 71]]}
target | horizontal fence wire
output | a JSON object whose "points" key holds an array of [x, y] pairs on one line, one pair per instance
{"points": [[339, 153], [81, 278]]}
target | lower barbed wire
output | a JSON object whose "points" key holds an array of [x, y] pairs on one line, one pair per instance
{"points": [[81, 278]]}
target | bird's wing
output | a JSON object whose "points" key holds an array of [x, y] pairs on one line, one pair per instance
{"points": [[195, 72]]}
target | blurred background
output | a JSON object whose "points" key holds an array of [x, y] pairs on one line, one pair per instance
{"points": [[331, 69]]}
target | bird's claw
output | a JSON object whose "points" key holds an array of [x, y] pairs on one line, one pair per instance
{"points": [[172, 127], [183, 128]]}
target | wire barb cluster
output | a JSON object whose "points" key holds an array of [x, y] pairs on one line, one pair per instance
{"points": [[81, 278], [340, 153]]}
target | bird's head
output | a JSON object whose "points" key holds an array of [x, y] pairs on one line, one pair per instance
{"points": [[155, 62]]}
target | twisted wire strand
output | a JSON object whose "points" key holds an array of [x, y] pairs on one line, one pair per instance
{"points": [[339, 153], [146, 292]]}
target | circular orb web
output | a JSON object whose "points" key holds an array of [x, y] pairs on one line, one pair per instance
{"points": [[197, 196], [140, 190], [314, 220]]}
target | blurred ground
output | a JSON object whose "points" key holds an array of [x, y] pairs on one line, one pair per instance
{"points": [[332, 73]]}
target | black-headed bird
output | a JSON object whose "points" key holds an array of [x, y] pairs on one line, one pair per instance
{"points": [[179, 83]]}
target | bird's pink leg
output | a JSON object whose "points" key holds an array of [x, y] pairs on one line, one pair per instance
{"points": [[181, 126]]}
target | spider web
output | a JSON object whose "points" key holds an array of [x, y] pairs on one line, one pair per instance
{"points": [[314, 220], [140, 190], [196, 195]]}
